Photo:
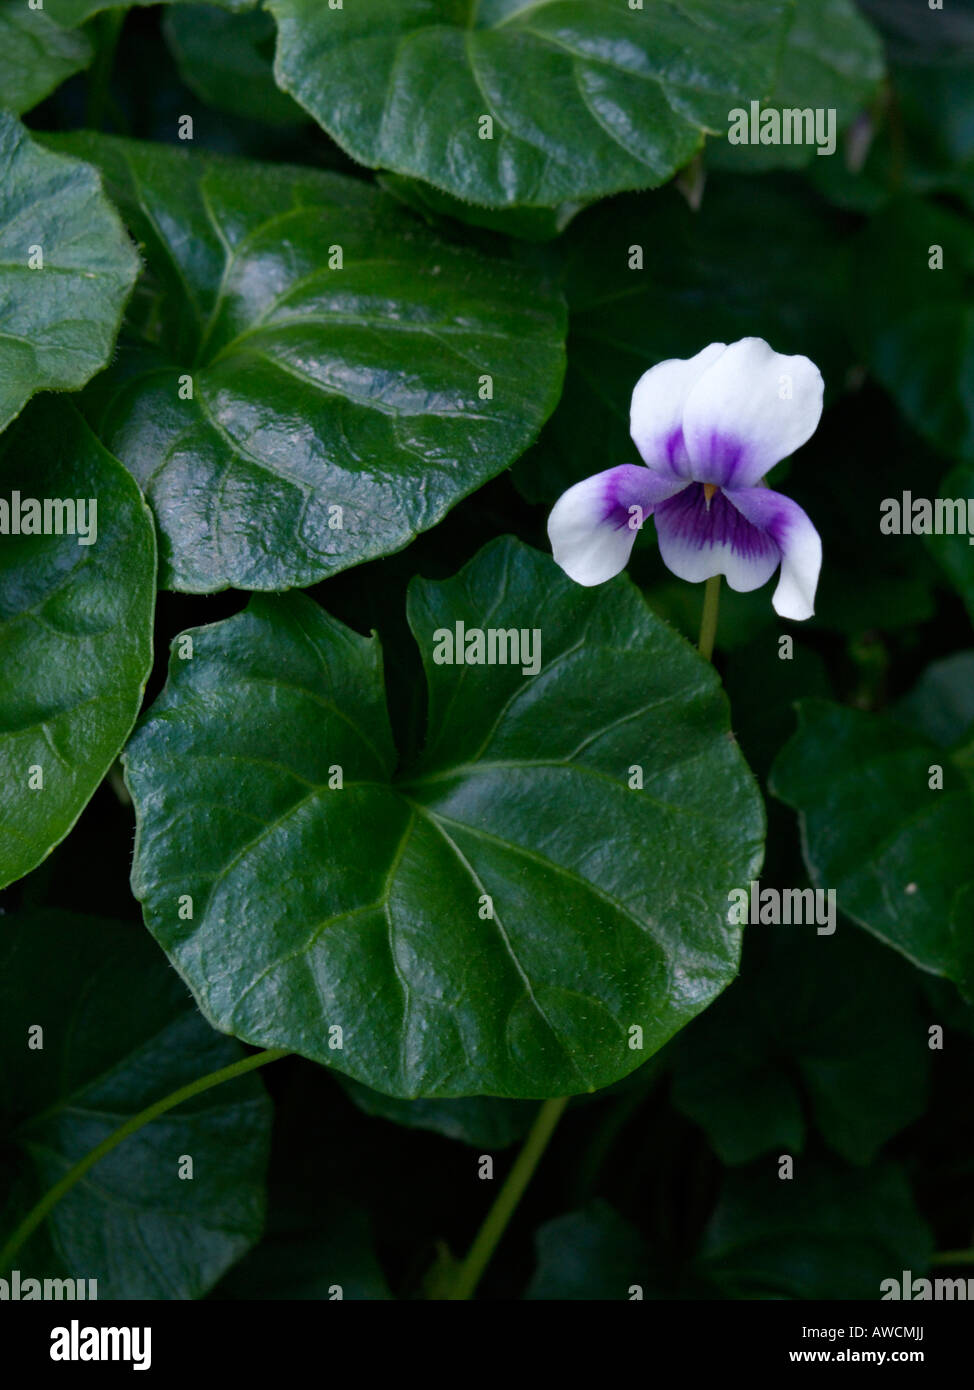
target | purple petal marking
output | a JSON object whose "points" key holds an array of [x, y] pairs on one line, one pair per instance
{"points": [[697, 541], [630, 485], [791, 530], [722, 462], [591, 527], [675, 450]]}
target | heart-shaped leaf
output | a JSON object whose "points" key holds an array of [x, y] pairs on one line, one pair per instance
{"points": [[66, 270], [330, 376], [94, 1027], [886, 830], [36, 55], [512, 914], [76, 608], [533, 102]]}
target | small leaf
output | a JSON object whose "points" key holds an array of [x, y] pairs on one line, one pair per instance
{"points": [[118, 1034], [484, 1121], [853, 1041], [36, 55], [75, 626], [832, 64], [593, 1254], [221, 57], [583, 98], [327, 376], [828, 1232], [496, 918], [941, 704], [66, 270]]}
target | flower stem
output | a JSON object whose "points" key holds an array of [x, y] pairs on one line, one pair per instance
{"points": [[51, 1198], [708, 622], [495, 1223]]}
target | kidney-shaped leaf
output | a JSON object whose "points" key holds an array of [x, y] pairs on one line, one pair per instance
{"points": [[94, 1027], [36, 55], [75, 625], [887, 821], [506, 102], [331, 377], [66, 270], [496, 918]]}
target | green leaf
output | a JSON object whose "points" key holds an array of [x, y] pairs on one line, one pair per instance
{"points": [[326, 1168], [226, 58], [852, 1042], [118, 1034], [648, 279], [73, 12], [320, 395], [484, 1121], [941, 704], [955, 554], [585, 98], [529, 224], [298, 1259], [919, 343], [896, 851], [36, 55], [75, 627], [832, 62], [593, 1254], [927, 143], [59, 320], [367, 908], [828, 1232]]}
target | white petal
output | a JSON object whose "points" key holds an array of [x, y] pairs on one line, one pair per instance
{"points": [[591, 526], [656, 412], [801, 549], [750, 409]]}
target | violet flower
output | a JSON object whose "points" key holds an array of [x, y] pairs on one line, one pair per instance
{"points": [[708, 428]]}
